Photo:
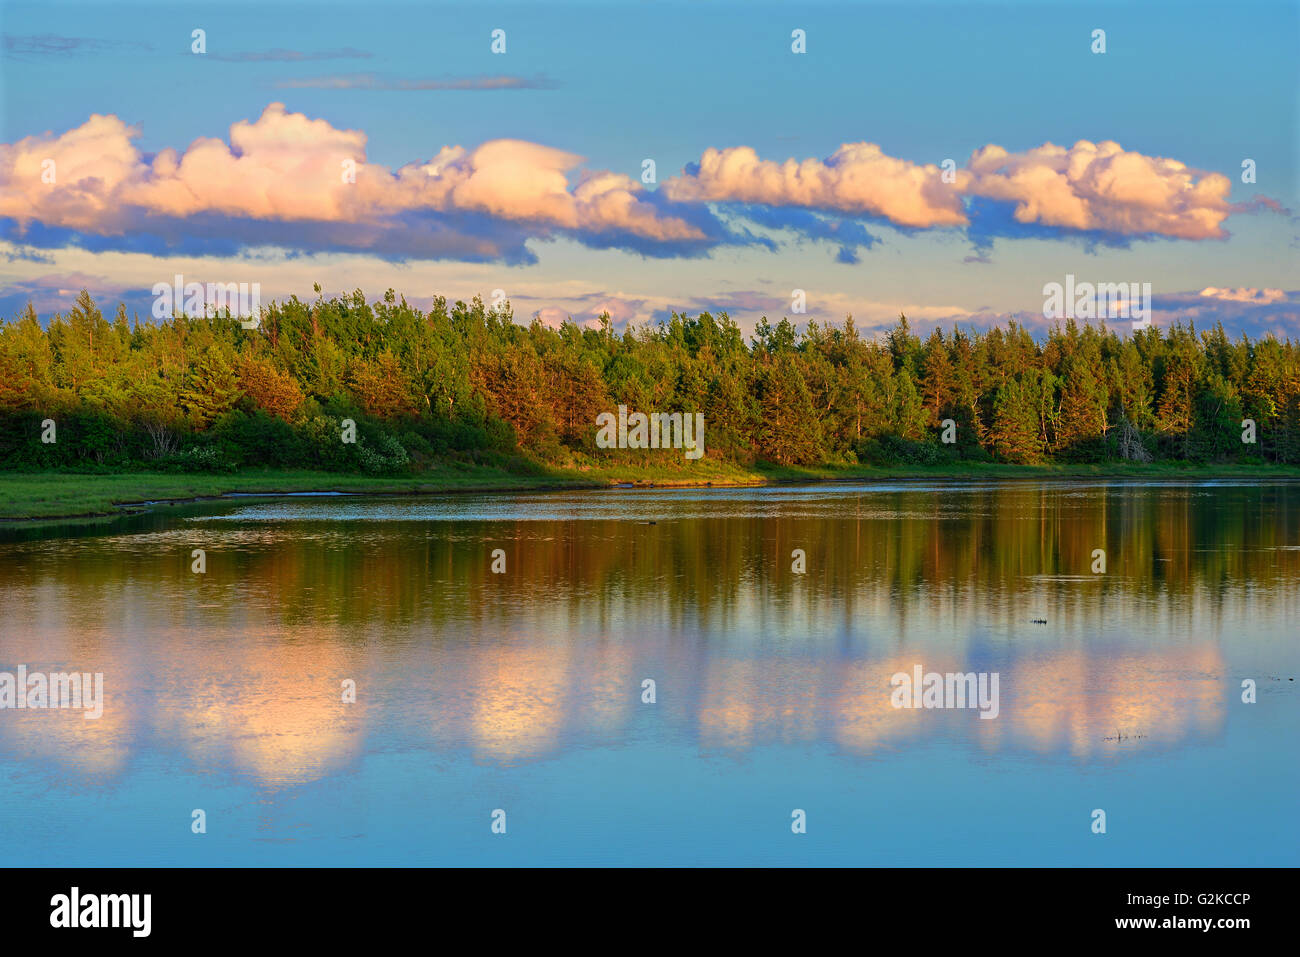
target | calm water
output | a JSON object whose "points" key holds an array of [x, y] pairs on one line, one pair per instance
{"points": [[522, 691]]}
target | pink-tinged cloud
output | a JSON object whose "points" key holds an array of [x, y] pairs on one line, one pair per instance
{"points": [[857, 178], [286, 167], [552, 316], [1102, 186], [1089, 187], [620, 311], [56, 292], [585, 310], [1262, 297], [289, 180], [90, 164]]}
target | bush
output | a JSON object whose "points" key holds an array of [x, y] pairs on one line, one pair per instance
{"points": [[896, 450], [1096, 449], [386, 454], [259, 438], [200, 458]]}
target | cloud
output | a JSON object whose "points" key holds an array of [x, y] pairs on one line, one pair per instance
{"points": [[586, 310], [51, 44], [621, 311], [1272, 312], [55, 292], [1262, 297], [373, 81], [289, 176], [992, 219], [15, 254], [552, 316], [848, 234], [1255, 312], [1102, 187], [645, 296], [857, 178], [1258, 315], [740, 302], [1097, 189], [283, 273], [1262, 204], [301, 183]]}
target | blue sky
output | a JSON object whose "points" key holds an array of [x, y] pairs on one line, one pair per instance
{"points": [[615, 83]]}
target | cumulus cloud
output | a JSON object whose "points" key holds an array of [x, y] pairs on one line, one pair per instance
{"points": [[1244, 294], [857, 178], [302, 183], [287, 168], [1090, 187], [1102, 187]]}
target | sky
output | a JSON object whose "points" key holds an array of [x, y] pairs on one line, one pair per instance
{"points": [[945, 160]]}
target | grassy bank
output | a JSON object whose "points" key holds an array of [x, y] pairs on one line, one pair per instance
{"points": [[34, 496]]}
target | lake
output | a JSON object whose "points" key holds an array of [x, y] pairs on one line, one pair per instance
{"points": [[521, 698]]}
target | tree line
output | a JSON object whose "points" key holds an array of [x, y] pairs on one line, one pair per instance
{"points": [[462, 383]]}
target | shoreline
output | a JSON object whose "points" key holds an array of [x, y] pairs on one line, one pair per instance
{"points": [[39, 498]]}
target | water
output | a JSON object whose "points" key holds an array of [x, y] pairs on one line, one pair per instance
{"points": [[523, 691]]}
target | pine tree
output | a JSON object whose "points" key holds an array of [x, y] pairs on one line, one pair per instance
{"points": [[211, 389], [1177, 392], [938, 385], [268, 388], [1014, 433], [1082, 416], [788, 431]]}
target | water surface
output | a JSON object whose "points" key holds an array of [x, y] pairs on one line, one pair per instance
{"points": [[522, 691]]}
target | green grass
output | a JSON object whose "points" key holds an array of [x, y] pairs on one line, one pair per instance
{"points": [[34, 496], [62, 494]]}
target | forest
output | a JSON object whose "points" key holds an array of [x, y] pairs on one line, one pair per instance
{"points": [[464, 383]]}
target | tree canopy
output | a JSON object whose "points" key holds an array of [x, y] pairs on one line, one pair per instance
{"points": [[462, 381]]}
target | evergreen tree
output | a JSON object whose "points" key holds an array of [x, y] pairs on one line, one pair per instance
{"points": [[464, 380], [211, 389], [1014, 433], [788, 432]]}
